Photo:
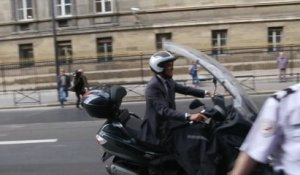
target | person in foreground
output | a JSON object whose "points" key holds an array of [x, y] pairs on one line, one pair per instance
{"points": [[275, 134], [164, 125]]}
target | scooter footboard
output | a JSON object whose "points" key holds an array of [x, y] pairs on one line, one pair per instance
{"points": [[116, 169]]}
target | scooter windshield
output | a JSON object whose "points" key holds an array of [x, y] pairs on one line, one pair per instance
{"points": [[241, 100]]}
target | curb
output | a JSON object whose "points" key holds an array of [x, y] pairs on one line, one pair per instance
{"points": [[128, 100]]}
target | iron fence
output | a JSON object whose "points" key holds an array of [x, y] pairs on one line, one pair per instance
{"points": [[130, 69]]}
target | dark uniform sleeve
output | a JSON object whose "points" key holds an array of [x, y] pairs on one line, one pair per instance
{"points": [[187, 90], [159, 102]]}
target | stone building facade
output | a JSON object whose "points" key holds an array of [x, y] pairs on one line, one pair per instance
{"points": [[104, 29]]}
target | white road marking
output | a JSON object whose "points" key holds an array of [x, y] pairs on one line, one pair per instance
{"points": [[16, 142]]}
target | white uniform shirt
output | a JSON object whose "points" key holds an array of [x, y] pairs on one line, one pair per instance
{"points": [[276, 132]]}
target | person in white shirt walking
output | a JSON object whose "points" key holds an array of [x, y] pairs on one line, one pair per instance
{"points": [[282, 63], [64, 83], [275, 134]]}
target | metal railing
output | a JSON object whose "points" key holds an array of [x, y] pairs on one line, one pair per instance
{"points": [[134, 68]]}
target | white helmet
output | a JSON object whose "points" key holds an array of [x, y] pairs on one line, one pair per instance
{"points": [[157, 60]]}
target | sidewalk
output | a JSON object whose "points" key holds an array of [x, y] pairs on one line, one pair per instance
{"points": [[252, 83]]}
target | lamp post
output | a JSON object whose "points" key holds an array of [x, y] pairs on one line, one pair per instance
{"points": [[55, 45], [55, 37]]}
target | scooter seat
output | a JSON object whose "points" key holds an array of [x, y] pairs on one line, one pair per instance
{"points": [[132, 125]]}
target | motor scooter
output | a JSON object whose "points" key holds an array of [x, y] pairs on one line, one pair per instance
{"points": [[119, 139], [128, 155]]}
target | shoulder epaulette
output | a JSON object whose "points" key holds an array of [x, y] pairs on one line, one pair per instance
{"points": [[284, 93]]}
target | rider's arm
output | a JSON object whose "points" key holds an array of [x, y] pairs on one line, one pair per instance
{"points": [[187, 90], [156, 98], [243, 165]]}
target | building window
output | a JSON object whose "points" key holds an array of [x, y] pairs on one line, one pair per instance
{"points": [[64, 49], [274, 38], [26, 55], [160, 37], [63, 7], [103, 6], [24, 9], [219, 39], [63, 23], [24, 27], [104, 49]]}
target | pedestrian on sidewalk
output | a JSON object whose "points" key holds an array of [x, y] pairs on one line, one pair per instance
{"points": [[85, 80], [64, 82], [282, 63], [79, 86], [193, 71]]}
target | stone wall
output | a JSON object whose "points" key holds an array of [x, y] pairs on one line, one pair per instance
{"points": [[189, 21]]}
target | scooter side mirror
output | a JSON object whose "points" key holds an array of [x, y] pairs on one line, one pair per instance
{"points": [[195, 104]]}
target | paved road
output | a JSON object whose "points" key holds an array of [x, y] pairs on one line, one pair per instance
{"points": [[52, 140], [50, 148], [49, 140]]}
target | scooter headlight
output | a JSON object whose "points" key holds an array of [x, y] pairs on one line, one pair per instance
{"points": [[100, 139]]}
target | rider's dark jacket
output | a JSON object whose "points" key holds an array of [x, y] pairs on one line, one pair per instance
{"points": [[161, 107]]}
